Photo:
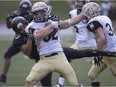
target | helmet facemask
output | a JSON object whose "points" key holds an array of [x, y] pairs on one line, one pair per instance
{"points": [[41, 15]]}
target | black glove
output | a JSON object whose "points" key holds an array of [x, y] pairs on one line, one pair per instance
{"points": [[54, 17], [98, 60], [30, 33]]}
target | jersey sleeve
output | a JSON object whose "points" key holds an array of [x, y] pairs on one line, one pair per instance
{"points": [[18, 41], [10, 16], [93, 25]]}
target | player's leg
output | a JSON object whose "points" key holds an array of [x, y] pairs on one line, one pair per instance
{"points": [[38, 72], [65, 69], [69, 53], [72, 53], [94, 72], [47, 80], [111, 63], [7, 61]]}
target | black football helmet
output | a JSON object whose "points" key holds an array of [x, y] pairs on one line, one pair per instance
{"points": [[25, 6], [17, 24]]}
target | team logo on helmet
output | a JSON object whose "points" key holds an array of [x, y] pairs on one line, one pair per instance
{"points": [[91, 10]]}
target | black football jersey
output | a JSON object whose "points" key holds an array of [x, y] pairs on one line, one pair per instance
{"points": [[19, 40], [29, 17]]}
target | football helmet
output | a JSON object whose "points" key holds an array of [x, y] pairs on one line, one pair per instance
{"points": [[17, 24], [79, 4], [25, 6], [41, 7], [91, 10]]}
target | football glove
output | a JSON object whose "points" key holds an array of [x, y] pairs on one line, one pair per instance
{"points": [[54, 17], [30, 33], [98, 60]]}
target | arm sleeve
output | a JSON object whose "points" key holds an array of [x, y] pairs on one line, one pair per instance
{"points": [[93, 25], [18, 41]]}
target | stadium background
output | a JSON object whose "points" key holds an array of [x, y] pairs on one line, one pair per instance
{"points": [[21, 66]]}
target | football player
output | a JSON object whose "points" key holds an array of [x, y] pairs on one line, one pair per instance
{"points": [[101, 26], [84, 39], [49, 48], [45, 32], [26, 44], [24, 11]]}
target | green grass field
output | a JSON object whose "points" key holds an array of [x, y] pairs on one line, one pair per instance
{"points": [[20, 68]]}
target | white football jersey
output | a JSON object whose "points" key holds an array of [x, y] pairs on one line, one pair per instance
{"points": [[106, 24], [49, 44], [83, 37]]}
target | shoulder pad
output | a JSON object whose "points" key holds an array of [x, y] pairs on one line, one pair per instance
{"points": [[54, 17]]}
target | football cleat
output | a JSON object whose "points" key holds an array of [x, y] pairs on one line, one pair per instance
{"points": [[3, 78], [58, 85]]}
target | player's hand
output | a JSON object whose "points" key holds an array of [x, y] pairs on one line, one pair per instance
{"points": [[98, 60], [30, 33], [54, 17]]}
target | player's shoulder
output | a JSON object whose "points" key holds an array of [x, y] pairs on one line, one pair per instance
{"points": [[19, 39], [13, 14], [73, 11], [94, 24]]}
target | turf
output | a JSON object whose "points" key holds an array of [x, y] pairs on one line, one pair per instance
{"points": [[20, 68]]}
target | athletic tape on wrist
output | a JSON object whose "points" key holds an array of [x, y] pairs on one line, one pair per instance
{"points": [[35, 33], [55, 24]]}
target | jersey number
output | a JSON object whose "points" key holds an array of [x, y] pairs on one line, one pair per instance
{"points": [[53, 37], [111, 33], [77, 29]]}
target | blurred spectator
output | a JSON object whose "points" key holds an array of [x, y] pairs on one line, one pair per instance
{"points": [[71, 3], [106, 6], [112, 12]]}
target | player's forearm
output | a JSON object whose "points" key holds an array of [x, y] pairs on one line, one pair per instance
{"points": [[41, 33], [101, 43], [70, 22], [27, 48], [91, 53], [77, 19]]}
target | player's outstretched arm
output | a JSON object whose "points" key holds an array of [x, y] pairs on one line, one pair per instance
{"points": [[70, 22], [107, 53], [90, 53], [77, 54]]}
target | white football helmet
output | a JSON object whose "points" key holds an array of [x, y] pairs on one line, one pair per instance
{"points": [[91, 10], [41, 6]]}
